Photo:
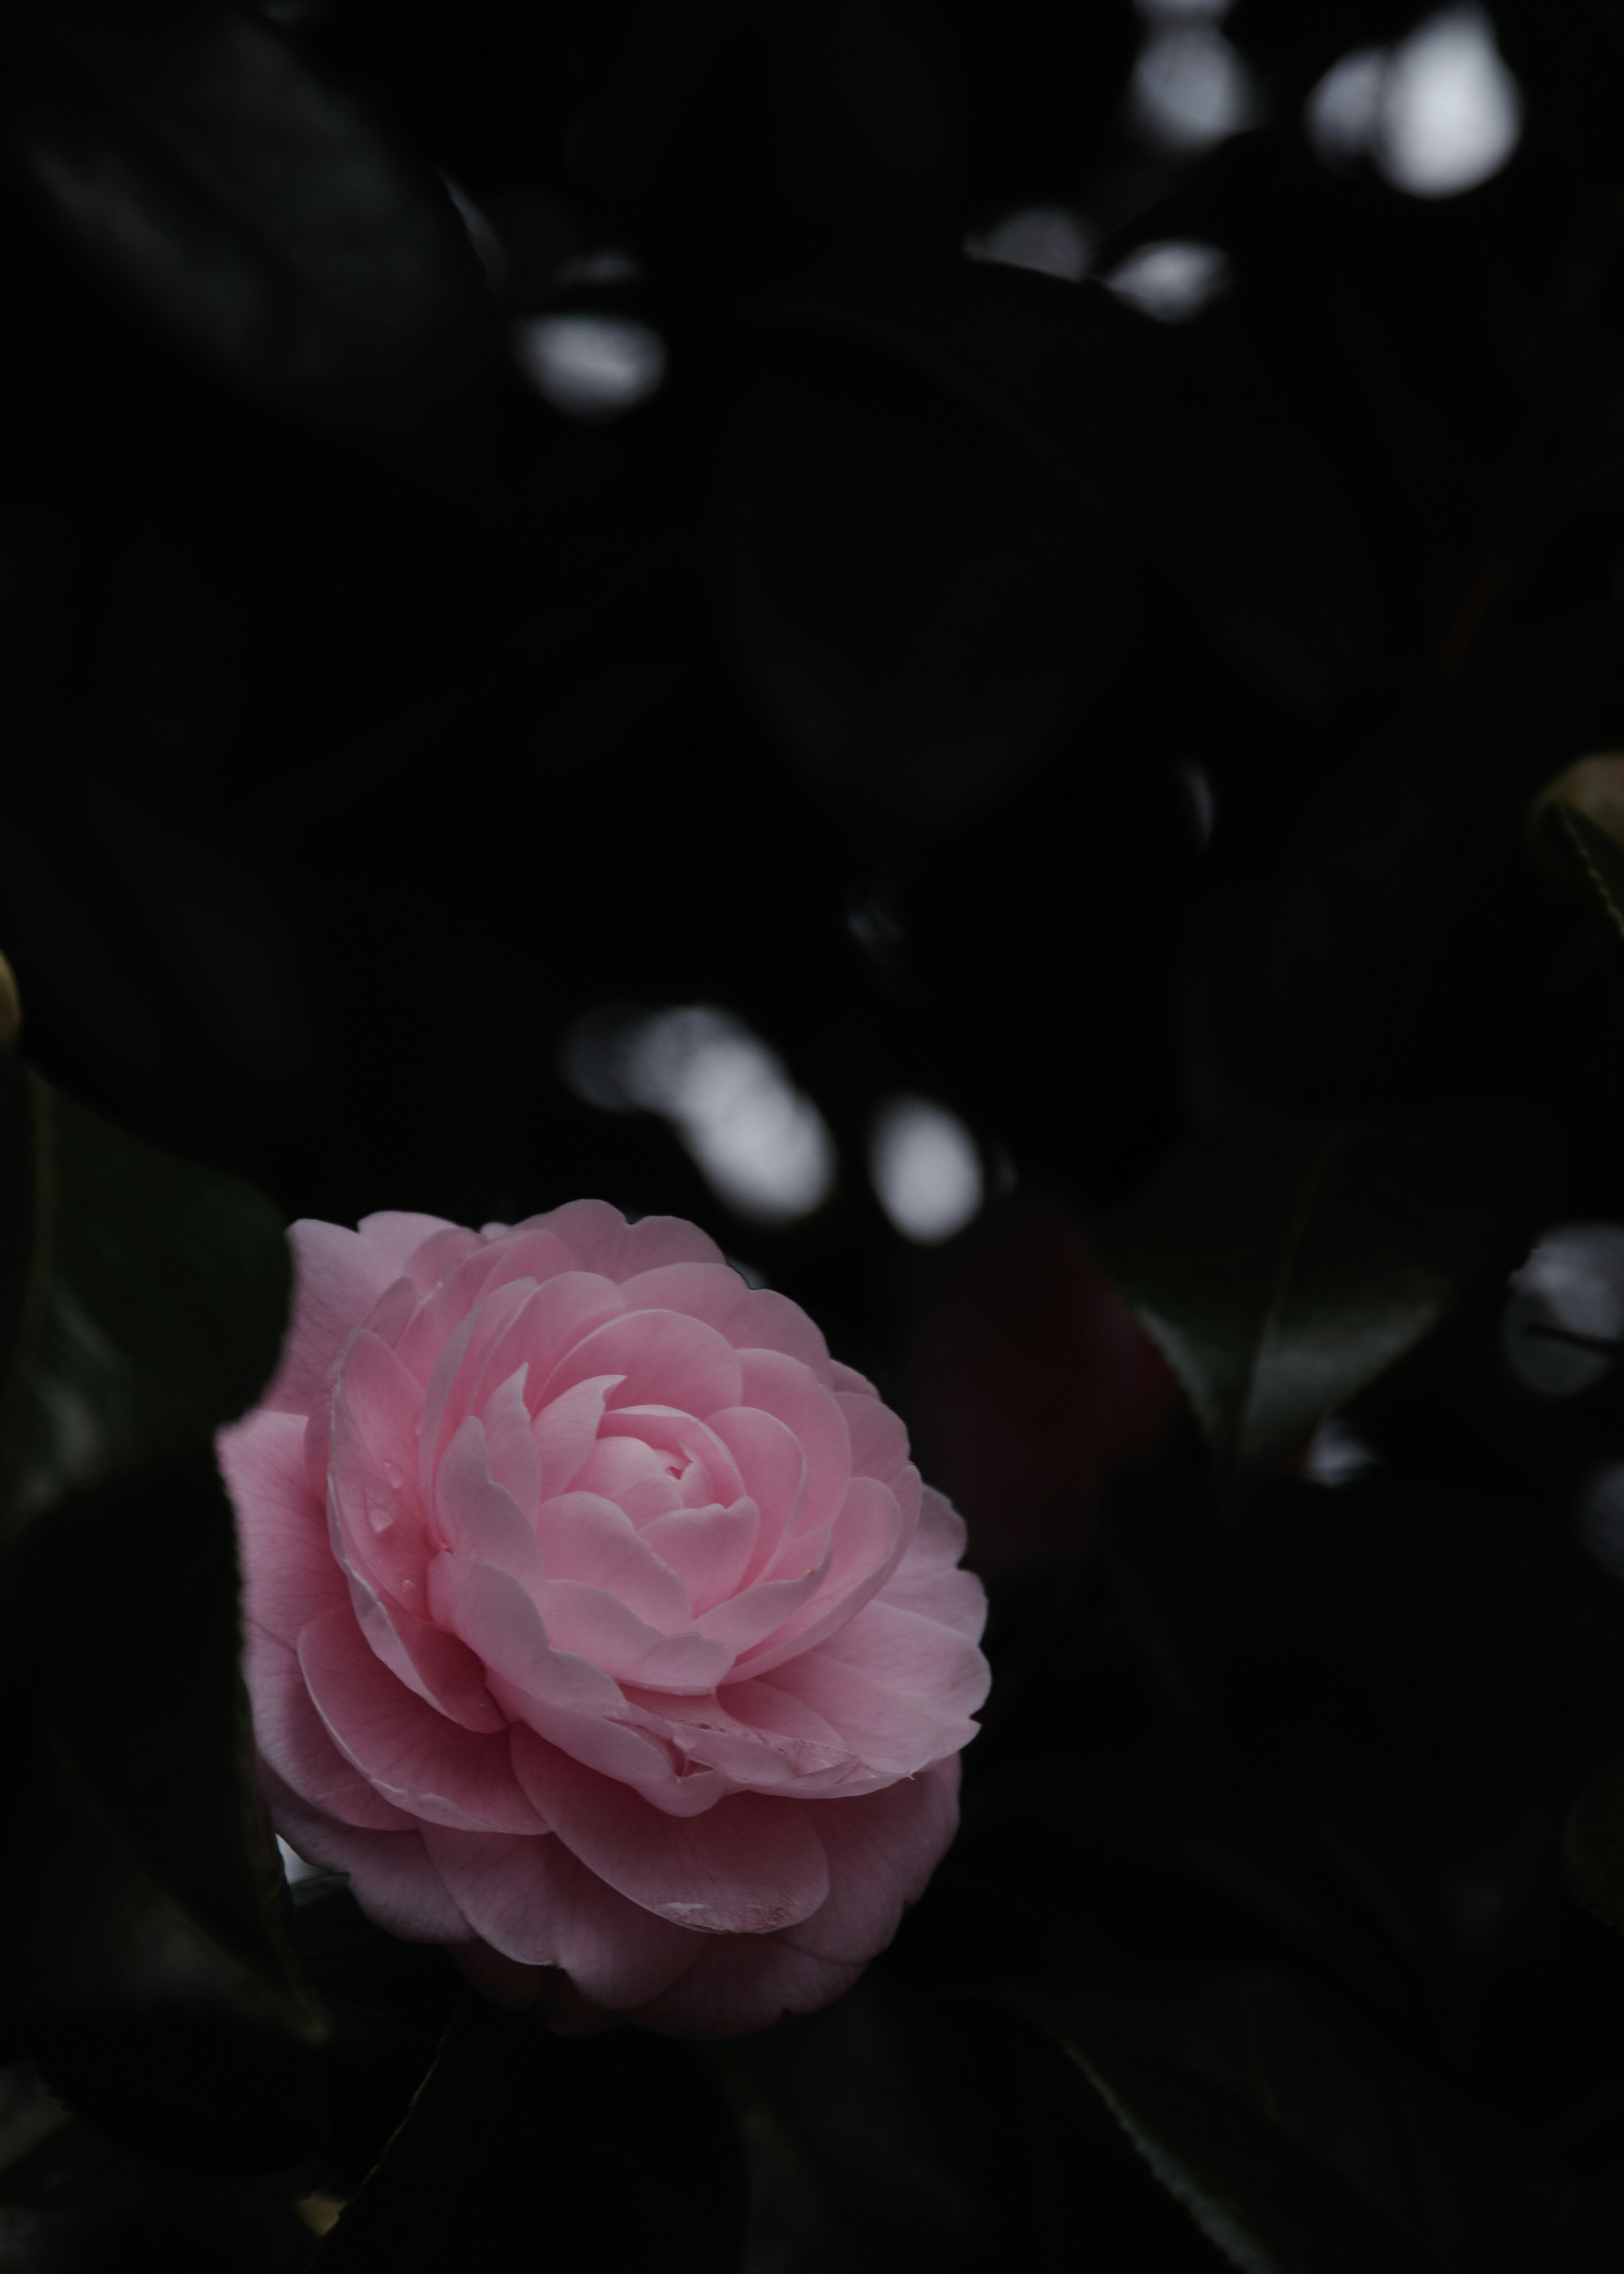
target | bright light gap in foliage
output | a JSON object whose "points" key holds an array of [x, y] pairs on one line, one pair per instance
{"points": [[761, 1146], [926, 1169], [1190, 88], [591, 366], [1572, 1285], [1437, 114]]}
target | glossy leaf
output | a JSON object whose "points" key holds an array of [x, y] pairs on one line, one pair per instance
{"points": [[253, 208], [1300, 2143], [1283, 1266], [1172, 432], [140, 1959], [1591, 852], [157, 1310], [518, 2136]]}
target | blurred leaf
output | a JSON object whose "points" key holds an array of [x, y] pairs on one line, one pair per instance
{"points": [[159, 1294], [1300, 2143], [852, 2167], [140, 1957], [1579, 829], [1282, 1265], [1593, 1848], [255, 209], [628, 2129], [1172, 430]]}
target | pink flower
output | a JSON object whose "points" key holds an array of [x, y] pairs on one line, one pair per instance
{"points": [[595, 1616]]}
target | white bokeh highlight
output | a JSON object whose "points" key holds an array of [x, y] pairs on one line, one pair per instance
{"points": [[926, 1169], [1191, 90], [1573, 1283], [761, 1145], [1438, 114], [591, 366], [1172, 280]]}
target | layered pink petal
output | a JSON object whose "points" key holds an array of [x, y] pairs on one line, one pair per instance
{"points": [[760, 1737], [879, 1440], [406, 1245], [337, 1277], [881, 1851], [708, 1549], [666, 1359], [441, 1670], [390, 1873], [898, 1689], [740, 1983], [424, 1765], [928, 1580], [587, 1539], [567, 1430], [595, 1625], [750, 1318], [694, 1455], [600, 1239], [746, 1866], [373, 1497], [868, 1540], [536, 1902], [783, 1387], [746, 1621], [553, 1695], [289, 1574], [881, 1848], [294, 1744], [477, 1517], [510, 1443]]}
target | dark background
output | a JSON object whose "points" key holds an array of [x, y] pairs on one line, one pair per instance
{"points": [[359, 745]]}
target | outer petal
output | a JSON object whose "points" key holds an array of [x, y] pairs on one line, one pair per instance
{"points": [[928, 1581], [898, 1689], [297, 1749], [536, 1904], [397, 1239], [746, 1866], [600, 1238], [744, 1982], [337, 1277], [289, 1574], [431, 1767], [882, 1850], [390, 1873]]}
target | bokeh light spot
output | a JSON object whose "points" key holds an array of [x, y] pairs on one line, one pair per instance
{"points": [[591, 366], [926, 1169]]}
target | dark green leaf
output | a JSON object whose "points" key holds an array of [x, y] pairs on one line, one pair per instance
{"points": [[1597, 857], [633, 2138], [1300, 2143], [204, 164], [1282, 1265], [160, 1293], [1193, 451], [850, 2165], [140, 1957]]}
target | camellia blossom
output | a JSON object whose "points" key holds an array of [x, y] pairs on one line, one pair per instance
{"points": [[596, 1619]]}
